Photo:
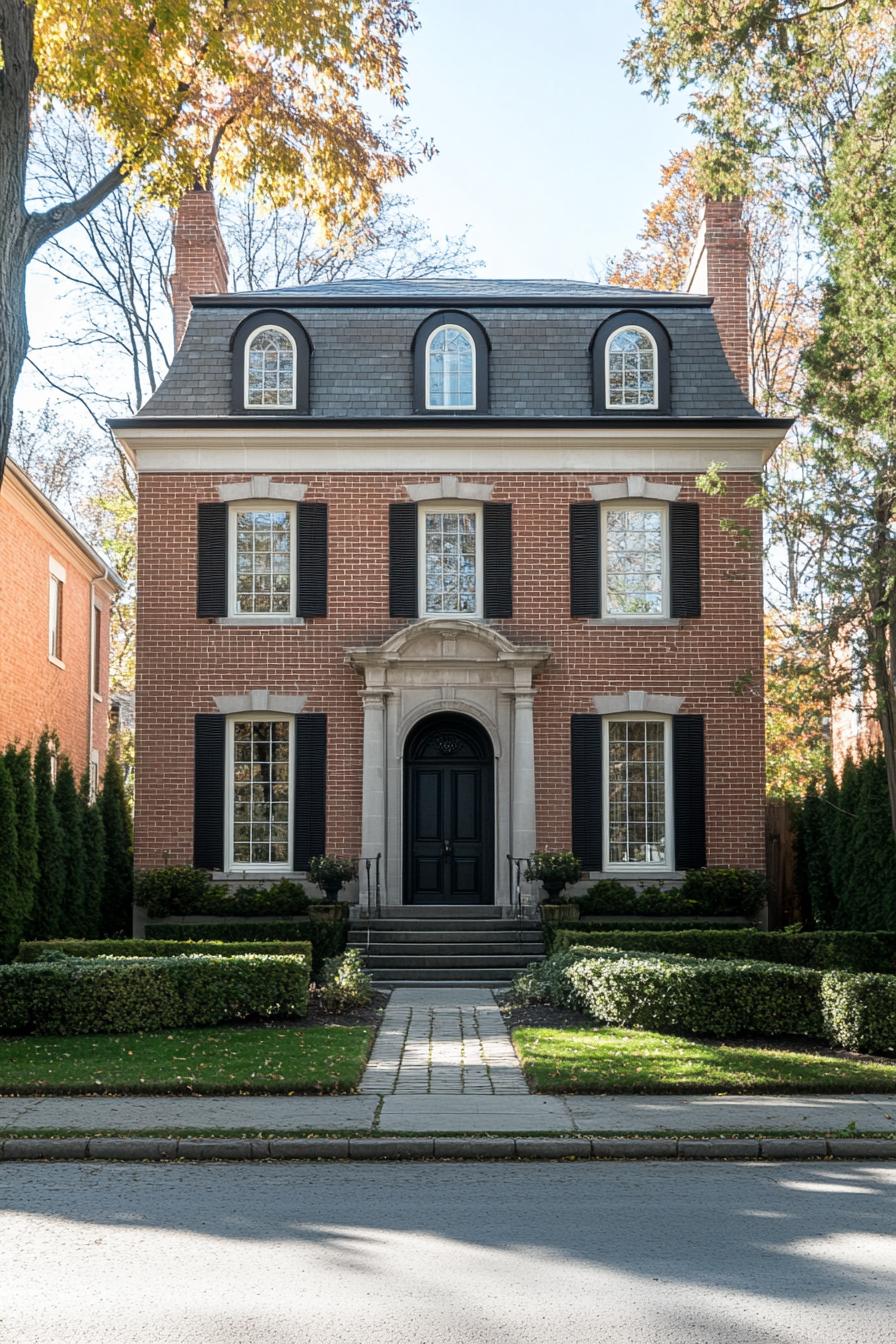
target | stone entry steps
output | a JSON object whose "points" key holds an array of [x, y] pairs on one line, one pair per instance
{"points": [[446, 945]]}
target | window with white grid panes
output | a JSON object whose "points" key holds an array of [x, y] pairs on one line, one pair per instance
{"points": [[631, 369], [260, 778], [262, 561], [450, 548], [450, 370], [637, 793], [634, 560], [271, 370]]}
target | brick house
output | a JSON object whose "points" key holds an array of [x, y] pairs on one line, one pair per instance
{"points": [[424, 574], [55, 596]]}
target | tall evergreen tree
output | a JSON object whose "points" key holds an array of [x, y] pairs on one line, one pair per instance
{"points": [[117, 914], [70, 814], [94, 859], [18, 763], [46, 913], [11, 919]]}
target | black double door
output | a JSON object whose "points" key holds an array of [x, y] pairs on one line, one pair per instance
{"points": [[449, 813]]}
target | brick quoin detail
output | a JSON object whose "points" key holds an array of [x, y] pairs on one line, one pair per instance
{"points": [[200, 257], [186, 662]]}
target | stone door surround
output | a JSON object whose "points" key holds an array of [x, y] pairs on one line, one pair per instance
{"points": [[465, 667]]}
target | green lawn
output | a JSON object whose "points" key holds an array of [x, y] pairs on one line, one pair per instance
{"points": [[619, 1059], [200, 1059]]}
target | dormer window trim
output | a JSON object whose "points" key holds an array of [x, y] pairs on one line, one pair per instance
{"points": [[246, 332], [631, 320], [288, 405], [421, 348]]}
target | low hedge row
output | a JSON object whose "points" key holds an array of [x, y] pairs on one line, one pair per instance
{"points": [[717, 998], [326, 936], [77, 996], [825, 950], [191, 891], [704, 891], [160, 947]]}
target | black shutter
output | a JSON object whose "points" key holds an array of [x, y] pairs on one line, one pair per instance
{"points": [[684, 559], [208, 791], [402, 559], [498, 560], [586, 749], [309, 832], [584, 559], [689, 784], [211, 560], [312, 560]]}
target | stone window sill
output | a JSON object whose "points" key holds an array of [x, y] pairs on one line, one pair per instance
{"points": [[260, 622], [636, 622]]}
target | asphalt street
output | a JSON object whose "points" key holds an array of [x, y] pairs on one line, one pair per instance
{"points": [[436, 1252]]}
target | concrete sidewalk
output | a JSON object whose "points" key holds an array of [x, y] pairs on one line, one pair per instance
{"points": [[464, 1114]]}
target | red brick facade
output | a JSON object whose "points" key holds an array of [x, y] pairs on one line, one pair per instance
{"points": [[185, 662], [39, 693]]}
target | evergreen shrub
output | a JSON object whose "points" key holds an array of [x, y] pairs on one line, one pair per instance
{"points": [[326, 936], [344, 983], [191, 891], [704, 891], [826, 950], [74, 996], [160, 947], [860, 1011]]}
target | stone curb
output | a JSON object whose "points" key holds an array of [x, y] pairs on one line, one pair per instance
{"points": [[414, 1149]]}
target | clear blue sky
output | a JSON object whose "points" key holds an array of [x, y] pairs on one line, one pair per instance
{"points": [[545, 149]]}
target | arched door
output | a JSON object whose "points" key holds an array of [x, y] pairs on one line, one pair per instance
{"points": [[449, 813]]}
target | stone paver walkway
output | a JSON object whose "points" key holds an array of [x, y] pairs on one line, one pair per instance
{"points": [[445, 1041]]}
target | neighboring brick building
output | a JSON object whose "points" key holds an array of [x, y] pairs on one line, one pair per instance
{"points": [[424, 573], [55, 595]]}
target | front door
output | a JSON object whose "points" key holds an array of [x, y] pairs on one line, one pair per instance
{"points": [[449, 813]]}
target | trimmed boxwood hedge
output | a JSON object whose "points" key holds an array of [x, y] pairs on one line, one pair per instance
{"points": [[191, 891], [326, 936], [704, 891], [824, 951], [160, 947], [75, 996], [860, 1011]]}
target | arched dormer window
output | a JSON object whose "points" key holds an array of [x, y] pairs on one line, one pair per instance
{"points": [[630, 354], [271, 366], [450, 365]]}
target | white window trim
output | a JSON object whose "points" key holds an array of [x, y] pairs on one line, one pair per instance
{"points": [[626, 505], [235, 617], [462, 507], [96, 615], [622, 405], [455, 406], [250, 341], [638, 869], [93, 775], [57, 574], [266, 717]]}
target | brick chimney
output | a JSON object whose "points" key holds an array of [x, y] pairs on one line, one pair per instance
{"points": [[200, 257], [720, 266]]}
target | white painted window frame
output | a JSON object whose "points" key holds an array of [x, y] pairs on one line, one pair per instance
{"points": [[444, 506], [640, 405], [265, 716], [454, 406], [638, 869], [628, 505], [250, 341], [261, 506], [55, 586], [96, 617]]}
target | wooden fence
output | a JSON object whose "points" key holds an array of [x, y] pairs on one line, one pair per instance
{"points": [[785, 904]]}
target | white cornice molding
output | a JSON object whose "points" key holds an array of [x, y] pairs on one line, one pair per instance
{"points": [[261, 487], [607, 449], [633, 702], [260, 702], [448, 487], [635, 487]]}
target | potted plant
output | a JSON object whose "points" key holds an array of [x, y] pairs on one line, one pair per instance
{"points": [[555, 869], [331, 873]]}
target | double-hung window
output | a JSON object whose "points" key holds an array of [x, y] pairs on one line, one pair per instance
{"points": [[635, 559], [54, 631], [450, 547], [262, 560], [637, 792], [260, 770]]}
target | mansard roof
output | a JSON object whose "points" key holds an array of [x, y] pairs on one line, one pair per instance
{"points": [[540, 332]]}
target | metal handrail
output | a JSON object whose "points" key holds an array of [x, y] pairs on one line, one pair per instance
{"points": [[370, 866]]}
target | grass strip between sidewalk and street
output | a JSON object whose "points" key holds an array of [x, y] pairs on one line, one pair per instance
{"points": [[621, 1059], [210, 1061]]}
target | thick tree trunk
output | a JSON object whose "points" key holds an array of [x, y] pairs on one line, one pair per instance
{"points": [[13, 336], [881, 635]]}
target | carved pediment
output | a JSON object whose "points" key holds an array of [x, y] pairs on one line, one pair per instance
{"points": [[448, 643]]}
